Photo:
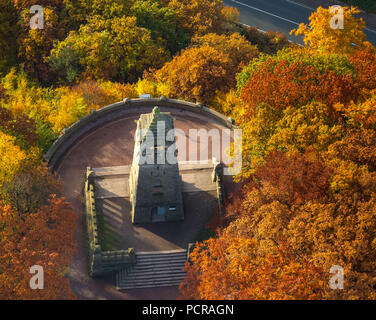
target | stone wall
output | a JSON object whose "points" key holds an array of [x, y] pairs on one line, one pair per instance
{"points": [[101, 262], [218, 179]]}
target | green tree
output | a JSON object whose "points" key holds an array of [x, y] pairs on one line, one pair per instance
{"points": [[163, 23], [115, 49], [8, 32]]}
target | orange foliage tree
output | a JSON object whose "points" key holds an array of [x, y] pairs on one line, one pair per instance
{"points": [[42, 238], [196, 73], [319, 210], [230, 267], [282, 84], [364, 62]]}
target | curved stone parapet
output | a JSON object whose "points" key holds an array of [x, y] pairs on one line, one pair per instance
{"points": [[115, 111]]}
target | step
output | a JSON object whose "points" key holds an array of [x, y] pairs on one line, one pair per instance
{"points": [[160, 253], [153, 281], [160, 262], [180, 256], [151, 258], [142, 259], [151, 277], [153, 268], [150, 282], [148, 285], [172, 284], [154, 275]]}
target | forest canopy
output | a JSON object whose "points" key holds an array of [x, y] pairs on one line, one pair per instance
{"points": [[307, 197]]}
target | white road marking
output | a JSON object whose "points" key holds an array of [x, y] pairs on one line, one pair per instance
{"points": [[301, 5], [247, 25], [265, 12], [370, 30]]}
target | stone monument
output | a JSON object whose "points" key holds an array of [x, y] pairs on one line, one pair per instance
{"points": [[154, 180]]}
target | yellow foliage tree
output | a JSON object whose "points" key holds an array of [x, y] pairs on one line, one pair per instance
{"points": [[325, 33], [200, 16], [12, 158], [145, 86], [236, 46], [67, 110], [228, 103]]}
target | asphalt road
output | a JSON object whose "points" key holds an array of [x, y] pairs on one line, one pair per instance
{"points": [[278, 15]]}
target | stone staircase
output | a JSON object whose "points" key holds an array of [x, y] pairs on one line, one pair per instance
{"points": [[153, 269]]}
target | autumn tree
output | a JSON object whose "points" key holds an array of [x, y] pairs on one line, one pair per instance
{"points": [[12, 158], [239, 50], [196, 73], [30, 189], [308, 179], [321, 35], [21, 5], [292, 78], [319, 208], [199, 16], [269, 42], [233, 267], [107, 49], [100, 94], [364, 62], [8, 32], [163, 23], [35, 44], [43, 238], [20, 126], [107, 9], [228, 103]]}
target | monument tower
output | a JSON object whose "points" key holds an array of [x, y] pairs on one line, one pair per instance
{"points": [[154, 180]]}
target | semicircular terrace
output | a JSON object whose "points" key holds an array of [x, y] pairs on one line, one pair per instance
{"points": [[105, 138]]}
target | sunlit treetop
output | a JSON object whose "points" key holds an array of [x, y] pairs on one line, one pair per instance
{"points": [[326, 33]]}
